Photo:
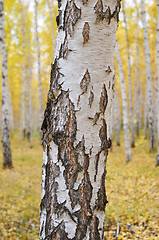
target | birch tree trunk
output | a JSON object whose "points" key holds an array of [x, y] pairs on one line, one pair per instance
{"points": [[39, 67], [129, 79], [76, 123], [117, 121], [24, 75], [125, 109], [51, 22], [157, 61], [148, 79], [7, 158], [30, 85], [138, 95]]}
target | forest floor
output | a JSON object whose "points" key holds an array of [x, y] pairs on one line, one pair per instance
{"points": [[132, 190]]}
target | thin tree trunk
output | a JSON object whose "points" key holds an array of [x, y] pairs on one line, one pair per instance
{"points": [[145, 113], [148, 79], [125, 109], [51, 22], [129, 78], [157, 60], [7, 158], [39, 68], [30, 85], [117, 121], [138, 95], [24, 75], [76, 119]]}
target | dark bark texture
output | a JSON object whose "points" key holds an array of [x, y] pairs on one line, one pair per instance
{"points": [[68, 190]]}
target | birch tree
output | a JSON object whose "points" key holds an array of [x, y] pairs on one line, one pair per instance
{"points": [[24, 75], [148, 79], [124, 107], [129, 79], [76, 121], [7, 158], [52, 24], [138, 93], [39, 66], [30, 81], [157, 60]]}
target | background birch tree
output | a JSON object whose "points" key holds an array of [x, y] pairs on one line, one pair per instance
{"points": [[39, 65], [131, 118], [148, 96], [76, 124], [124, 107], [7, 158], [157, 60]]}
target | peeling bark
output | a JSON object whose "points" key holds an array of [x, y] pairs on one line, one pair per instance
{"points": [[7, 158], [76, 125]]}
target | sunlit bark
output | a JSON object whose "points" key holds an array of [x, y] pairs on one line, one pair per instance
{"points": [[157, 60], [77, 121]]}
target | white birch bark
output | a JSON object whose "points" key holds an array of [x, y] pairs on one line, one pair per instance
{"points": [[157, 61], [117, 120], [51, 22], [124, 107], [148, 79], [24, 75], [77, 116], [138, 94], [39, 67], [129, 79], [7, 158], [30, 85]]}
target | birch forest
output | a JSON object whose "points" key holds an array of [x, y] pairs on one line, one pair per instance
{"points": [[79, 119]]}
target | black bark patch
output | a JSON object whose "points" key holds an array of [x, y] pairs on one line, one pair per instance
{"points": [[103, 136], [85, 32], [96, 117], [91, 98], [71, 15], [108, 69], [85, 81], [99, 11], [101, 15], [94, 234], [96, 165], [64, 48], [101, 199], [103, 99]]}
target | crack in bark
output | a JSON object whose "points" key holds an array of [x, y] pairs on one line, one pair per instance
{"points": [[85, 33]]}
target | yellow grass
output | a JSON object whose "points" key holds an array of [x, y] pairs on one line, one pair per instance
{"points": [[132, 191]]}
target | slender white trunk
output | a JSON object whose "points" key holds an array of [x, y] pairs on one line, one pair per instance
{"points": [[30, 120], [148, 79], [51, 22], [138, 94], [157, 60], [117, 120], [124, 107], [39, 68], [24, 75], [129, 80], [77, 116], [7, 158]]}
